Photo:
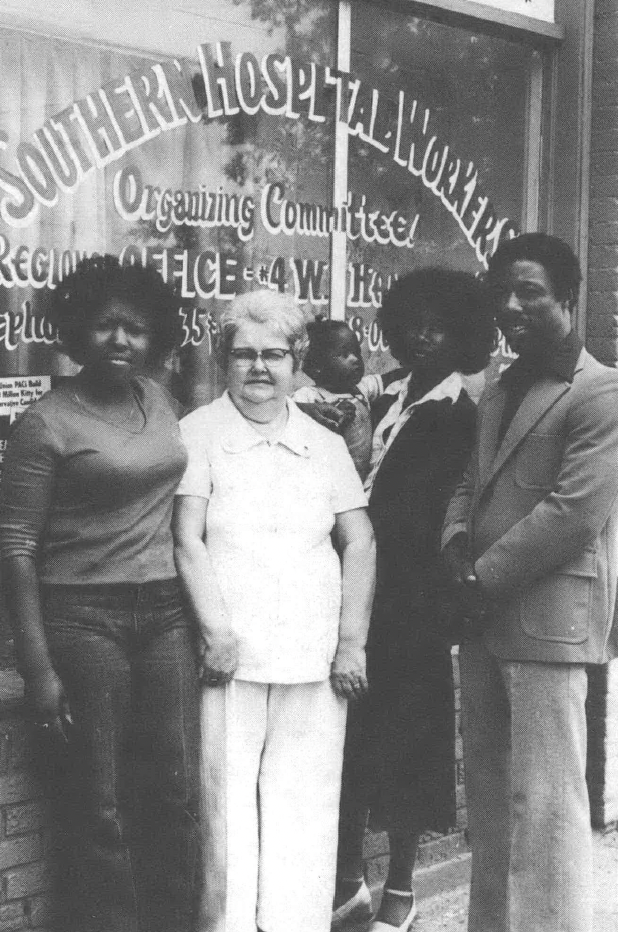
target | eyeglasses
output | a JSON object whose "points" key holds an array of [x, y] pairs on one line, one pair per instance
{"points": [[245, 356]]}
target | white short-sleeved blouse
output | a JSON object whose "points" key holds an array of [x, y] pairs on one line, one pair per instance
{"points": [[271, 509]]}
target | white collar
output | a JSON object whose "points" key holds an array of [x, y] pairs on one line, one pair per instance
{"points": [[241, 436], [451, 388], [397, 416]]}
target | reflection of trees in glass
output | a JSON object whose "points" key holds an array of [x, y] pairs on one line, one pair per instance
{"points": [[271, 148], [460, 76], [474, 87], [263, 148], [302, 20]]}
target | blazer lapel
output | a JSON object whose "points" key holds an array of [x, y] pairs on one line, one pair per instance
{"points": [[493, 405], [537, 402]]}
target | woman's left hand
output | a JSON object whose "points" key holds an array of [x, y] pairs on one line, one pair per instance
{"points": [[348, 671]]}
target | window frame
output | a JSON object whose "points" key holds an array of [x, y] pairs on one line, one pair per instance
{"points": [[558, 108], [555, 195]]}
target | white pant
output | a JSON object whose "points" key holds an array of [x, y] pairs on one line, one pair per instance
{"points": [[272, 757]]}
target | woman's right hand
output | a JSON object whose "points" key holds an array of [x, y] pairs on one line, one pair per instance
{"points": [[49, 705], [348, 673], [219, 657]]}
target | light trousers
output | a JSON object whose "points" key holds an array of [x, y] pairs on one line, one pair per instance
{"points": [[272, 756], [524, 729]]}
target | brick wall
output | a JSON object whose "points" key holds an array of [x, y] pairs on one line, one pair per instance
{"points": [[25, 874], [602, 340], [602, 322]]}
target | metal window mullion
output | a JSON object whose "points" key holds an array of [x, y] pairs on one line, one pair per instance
{"points": [[533, 146], [338, 243]]}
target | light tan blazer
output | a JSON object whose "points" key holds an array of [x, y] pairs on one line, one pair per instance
{"points": [[541, 512]]}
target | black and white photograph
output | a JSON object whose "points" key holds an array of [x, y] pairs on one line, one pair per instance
{"points": [[309, 466]]}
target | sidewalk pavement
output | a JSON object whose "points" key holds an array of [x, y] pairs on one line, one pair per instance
{"points": [[442, 891]]}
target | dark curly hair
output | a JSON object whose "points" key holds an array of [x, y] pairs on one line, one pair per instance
{"points": [[80, 296], [462, 301], [321, 333], [556, 257]]}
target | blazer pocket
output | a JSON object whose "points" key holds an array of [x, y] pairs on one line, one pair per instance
{"points": [[538, 461], [558, 607]]}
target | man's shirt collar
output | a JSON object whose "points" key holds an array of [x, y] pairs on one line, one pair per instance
{"points": [[560, 362]]}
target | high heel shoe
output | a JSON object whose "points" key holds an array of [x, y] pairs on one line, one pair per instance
{"points": [[358, 908], [379, 926]]}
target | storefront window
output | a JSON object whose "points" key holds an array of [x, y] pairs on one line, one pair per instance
{"points": [[458, 125], [218, 166], [214, 148], [211, 167]]}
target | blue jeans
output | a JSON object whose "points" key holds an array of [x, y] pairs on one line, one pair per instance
{"points": [[127, 782]]}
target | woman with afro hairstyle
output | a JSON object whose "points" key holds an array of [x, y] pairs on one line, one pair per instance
{"points": [[103, 643], [399, 760]]}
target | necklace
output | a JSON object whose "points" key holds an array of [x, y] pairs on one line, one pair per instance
{"points": [[106, 414]]}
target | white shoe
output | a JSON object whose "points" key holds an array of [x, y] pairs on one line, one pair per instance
{"points": [[406, 925], [358, 908]]}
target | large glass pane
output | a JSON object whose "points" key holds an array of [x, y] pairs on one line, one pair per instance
{"points": [[281, 162], [454, 103], [201, 165], [207, 166]]}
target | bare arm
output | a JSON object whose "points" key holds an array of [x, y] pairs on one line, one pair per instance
{"points": [[197, 576], [44, 689], [358, 557], [28, 482]]}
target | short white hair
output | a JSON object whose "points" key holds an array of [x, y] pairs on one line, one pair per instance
{"points": [[264, 307]]}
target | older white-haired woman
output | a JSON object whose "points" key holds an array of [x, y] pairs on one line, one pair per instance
{"points": [[283, 618]]}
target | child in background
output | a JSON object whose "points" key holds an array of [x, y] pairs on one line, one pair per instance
{"points": [[335, 363]]}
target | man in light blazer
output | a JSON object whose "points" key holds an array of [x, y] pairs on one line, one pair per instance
{"points": [[530, 540]]}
